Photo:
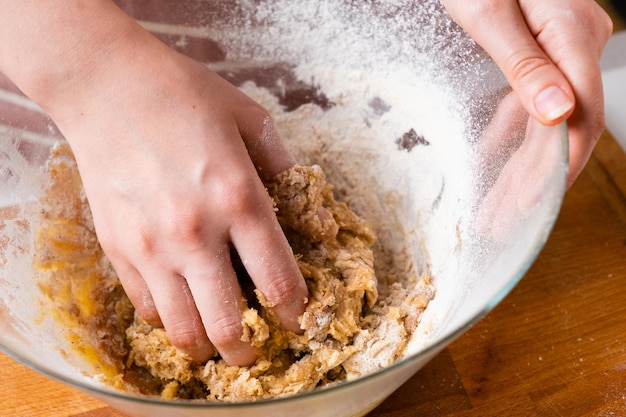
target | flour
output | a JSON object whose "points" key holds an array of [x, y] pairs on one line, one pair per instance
{"points": [[386, 68], [390, 134]]}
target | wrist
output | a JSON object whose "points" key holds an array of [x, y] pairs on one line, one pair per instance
{"points": [[55, 50]]}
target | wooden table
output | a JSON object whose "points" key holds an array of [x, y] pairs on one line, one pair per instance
{"points": [[556, 346]]}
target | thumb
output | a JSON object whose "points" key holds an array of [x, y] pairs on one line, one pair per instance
{"points": [[544, 91]]}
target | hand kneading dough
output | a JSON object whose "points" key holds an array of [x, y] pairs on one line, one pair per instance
{"points": [[349, 330]]}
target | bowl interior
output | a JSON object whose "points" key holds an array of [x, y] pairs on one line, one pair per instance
{"points": [[413, 124]]}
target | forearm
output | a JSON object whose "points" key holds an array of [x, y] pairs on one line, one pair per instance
{"points": [[54, 47]]}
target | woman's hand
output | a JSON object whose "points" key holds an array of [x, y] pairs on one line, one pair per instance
{"points": [[550, 53], [170, 156]]}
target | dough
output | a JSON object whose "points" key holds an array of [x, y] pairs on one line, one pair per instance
{"points": [[349, 330]]}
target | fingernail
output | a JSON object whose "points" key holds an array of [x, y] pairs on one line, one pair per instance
{"points": [[552, 103]]}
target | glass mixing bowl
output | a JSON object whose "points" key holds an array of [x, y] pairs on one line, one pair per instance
{"points": [[413, 124]]}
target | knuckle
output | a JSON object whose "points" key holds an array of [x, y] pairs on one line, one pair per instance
{"points": [[522, 65], [591, 19], [186, 336], [226, 331], [183, 223], [261, 132], [259, 114], [242, 195], [283, 289], [478, 10], [605, 24], [146, 243], [255, 114], [148, 313]]}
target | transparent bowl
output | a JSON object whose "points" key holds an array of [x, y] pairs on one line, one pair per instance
{"points": [[449, 167]]}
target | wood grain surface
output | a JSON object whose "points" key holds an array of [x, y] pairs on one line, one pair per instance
{"points": [[556, 346]]}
